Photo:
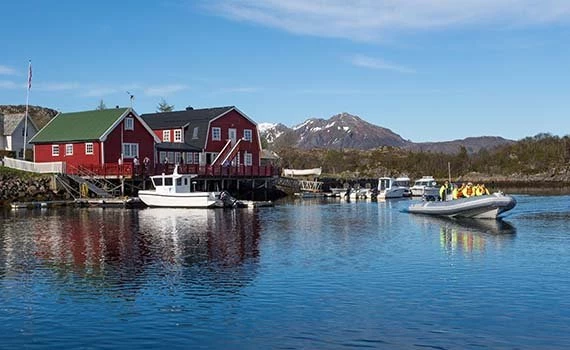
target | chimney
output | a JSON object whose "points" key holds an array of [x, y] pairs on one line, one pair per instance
{"points": [[189, 108]]}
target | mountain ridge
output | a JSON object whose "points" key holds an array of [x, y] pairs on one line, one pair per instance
{"points": [[347, 131]]}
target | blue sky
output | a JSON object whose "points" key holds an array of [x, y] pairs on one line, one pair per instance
{"points": [[430, 70]]}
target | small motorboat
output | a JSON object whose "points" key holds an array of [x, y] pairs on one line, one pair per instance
{"points": [[176, 191], [479, 207], [393, 188]]}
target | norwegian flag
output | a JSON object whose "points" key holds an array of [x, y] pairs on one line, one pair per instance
{"points": [[30, 76]]}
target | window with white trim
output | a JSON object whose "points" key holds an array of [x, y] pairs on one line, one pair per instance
{"points": [[216, 134], [177, 135], [130, 150], [129, 124], [69, 149], [247, 134], [248, 158], [55, 150], [165, 135], [89, 148]]}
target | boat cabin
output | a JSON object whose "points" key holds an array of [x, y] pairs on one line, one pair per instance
{"points": [[174, 183]]}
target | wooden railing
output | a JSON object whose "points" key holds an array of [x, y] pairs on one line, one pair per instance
{"points": [[114, 170]]}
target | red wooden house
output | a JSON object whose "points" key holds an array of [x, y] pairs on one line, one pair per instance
{"points": [[221, 136], [103, 141]]}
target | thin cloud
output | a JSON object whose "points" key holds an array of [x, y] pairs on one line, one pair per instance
{"points": [[372, 20], [378, 63], [53, 87], [9, 85], [239, 90], [164, 90], [5, 70]]}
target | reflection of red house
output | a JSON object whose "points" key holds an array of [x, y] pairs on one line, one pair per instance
{"points": [[208, 136], [95, 139]]}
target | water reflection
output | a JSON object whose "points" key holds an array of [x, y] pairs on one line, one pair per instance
{"points": [[469, 235], [121, 251]]}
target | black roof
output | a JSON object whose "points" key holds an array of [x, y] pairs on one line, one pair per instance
{"points": [[196, 119], [177, 146]]}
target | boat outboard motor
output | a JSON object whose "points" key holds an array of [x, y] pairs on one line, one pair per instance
{"points": [[229, 201]]}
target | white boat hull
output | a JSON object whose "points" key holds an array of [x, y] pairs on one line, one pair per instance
{"points": [[393, 193], [479, 207], [181, 200]]}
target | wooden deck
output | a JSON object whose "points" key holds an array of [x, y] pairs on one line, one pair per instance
{"points": [[115, 171]]}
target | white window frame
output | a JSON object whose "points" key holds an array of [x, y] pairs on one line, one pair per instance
{"points": [[248, 158], [129, 123], [165, 135], [69, 149], [130, 150], [247, 134], [55, 150], [89, 148], [216, 133], [177, 135]]}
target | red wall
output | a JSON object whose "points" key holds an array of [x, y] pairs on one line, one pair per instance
{"points": [[111, 147], [140, 135], [235, 120], [160, 134], [42, 153]]}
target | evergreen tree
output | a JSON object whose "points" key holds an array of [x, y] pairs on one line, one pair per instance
{"points": [[163, 107], [101, 105]]}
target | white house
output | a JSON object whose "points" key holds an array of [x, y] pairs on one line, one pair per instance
{"points": [[12, 132]]}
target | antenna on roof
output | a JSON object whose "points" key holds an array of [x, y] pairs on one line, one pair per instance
{"points": [[131, 97]]}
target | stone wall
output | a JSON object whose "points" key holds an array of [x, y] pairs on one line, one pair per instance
{"points": [[17, 189]]}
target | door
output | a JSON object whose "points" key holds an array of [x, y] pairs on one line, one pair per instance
{"points": [[232, 135]]}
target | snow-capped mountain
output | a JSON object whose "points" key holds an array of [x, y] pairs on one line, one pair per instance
{"points": [[340, 131], [343, 131]]}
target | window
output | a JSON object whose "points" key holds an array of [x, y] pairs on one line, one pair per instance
{"points": [[178, 135], [216, 134], [89, 148], [69, 149], [247, 158], [55, 150], [130, 150], [247, 135], [129, 124], [195, 133], [166, 136]]}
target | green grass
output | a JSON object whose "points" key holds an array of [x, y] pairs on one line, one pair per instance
{"points": [[5, 171]]}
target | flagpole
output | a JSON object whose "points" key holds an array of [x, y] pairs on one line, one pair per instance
{"points": [[27, 107]]}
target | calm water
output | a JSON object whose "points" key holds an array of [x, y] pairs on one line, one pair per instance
{"points": [[300, 275]]}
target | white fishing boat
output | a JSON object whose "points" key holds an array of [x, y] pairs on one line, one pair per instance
{"points": [[478, 207], [393, 188], [425, 187], [177, 191]]}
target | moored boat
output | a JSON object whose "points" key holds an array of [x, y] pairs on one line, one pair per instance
{"points": [[176, 191], [480, 207], [393, 188], [426, 187]]}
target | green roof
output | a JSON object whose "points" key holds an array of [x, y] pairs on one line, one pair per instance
{"points": [[78, 126]]}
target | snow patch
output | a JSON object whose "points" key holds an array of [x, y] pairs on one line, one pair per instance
{"points": [[263, 127]]}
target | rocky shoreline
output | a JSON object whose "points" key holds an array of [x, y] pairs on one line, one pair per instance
{"points": [[18, 189]]}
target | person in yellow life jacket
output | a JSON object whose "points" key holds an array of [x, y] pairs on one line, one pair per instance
{"points": [[443, 191], [468, 190], [476, 190], [458, 192], [483, 190]]}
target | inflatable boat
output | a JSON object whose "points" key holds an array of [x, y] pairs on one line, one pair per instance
{"points": [[479, 207]]}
